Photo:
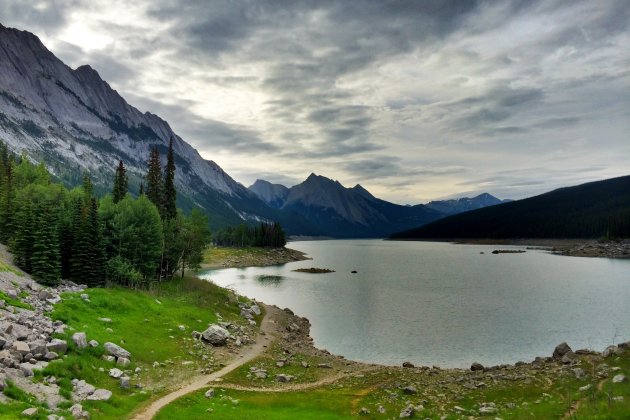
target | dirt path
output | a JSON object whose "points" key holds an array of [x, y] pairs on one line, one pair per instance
{"points": [[301, 387], [576, 406], [262, 341]]}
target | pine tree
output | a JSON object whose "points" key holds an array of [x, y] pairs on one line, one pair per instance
{"points": [[170, 194], [7, 201], [121, 183], [141, 189], [154, 180], [46, 260], [23, 244]]}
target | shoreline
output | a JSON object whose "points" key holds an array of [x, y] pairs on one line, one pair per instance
{"points": [[224, 257], [588, 248], [565, 247]]}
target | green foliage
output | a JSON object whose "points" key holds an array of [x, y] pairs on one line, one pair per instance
{"points": [[155, 184], [266, 234], [170, 194], [121, 271], [133, 231], [121, 183]]}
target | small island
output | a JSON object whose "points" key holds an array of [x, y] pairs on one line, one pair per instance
{"points": [[314, 270]]}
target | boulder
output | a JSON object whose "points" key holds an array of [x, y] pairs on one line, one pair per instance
{"points": [[51, 355], [93, 343], [45, 294], [100, 395], [569, 358], [560, 350], [115, 373], [216, 335], [617, 379], [477, 367], [407, 412], [29, 367], [487, 408], [37, 347], [21, 347], [410, 390], [83, 390], [57, 345], [284, 378], [246, 313], [124, 382], [123, 362], [80, 340], [209, 393], [611, 350], [116, 351], [77, 412], [408, 365], [255, 309], [30, 412]]}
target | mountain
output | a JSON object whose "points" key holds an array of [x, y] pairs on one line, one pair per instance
{"points": [[274, 195], [460, 205], [342, 212], [75, 122], [592, 210]]}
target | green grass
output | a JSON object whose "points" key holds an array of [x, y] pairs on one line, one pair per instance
{"points": [[267, 361], [146, 323], [4, 267], [14, 302], [213, 254], [313, 405]]}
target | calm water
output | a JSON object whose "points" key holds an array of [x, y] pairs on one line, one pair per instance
{"points": [[445, 304]]}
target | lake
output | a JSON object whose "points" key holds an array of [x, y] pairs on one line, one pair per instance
{"points": [[435, 303]]}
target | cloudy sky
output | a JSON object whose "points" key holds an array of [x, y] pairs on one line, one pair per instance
{"points": [[415, 100]]}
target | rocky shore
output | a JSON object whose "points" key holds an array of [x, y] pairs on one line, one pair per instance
{"points": [[606, 249], [250, 257]]}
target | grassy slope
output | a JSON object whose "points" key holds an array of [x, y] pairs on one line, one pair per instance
{"points": [[147, 325]]}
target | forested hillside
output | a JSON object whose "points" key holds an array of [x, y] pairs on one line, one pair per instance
{"points": [[57, 233], [594, 210]]}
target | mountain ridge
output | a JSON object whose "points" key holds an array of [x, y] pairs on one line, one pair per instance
{"points": [[74, 121], [354, 212]]}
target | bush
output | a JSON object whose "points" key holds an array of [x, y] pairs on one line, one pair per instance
{"points": [[120, 271]]}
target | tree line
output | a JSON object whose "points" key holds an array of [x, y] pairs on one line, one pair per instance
{"points": [[263, 235], [598, 210], [57, 233]]}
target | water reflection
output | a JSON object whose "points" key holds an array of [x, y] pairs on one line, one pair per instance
{"points": [[270, 280]]}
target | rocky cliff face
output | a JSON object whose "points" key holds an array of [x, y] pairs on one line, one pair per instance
{"points": [[74, 121]]}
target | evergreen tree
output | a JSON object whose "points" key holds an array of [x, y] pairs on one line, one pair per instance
{"points": [[45, 259], [170, 194], [7, 200], [23, 242], [141, 189], [155, 184], [121, 183], [87, 257]]}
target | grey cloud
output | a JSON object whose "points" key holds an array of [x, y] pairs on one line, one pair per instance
{"points": [[205, 134], [394, 167], [37, 17]]}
